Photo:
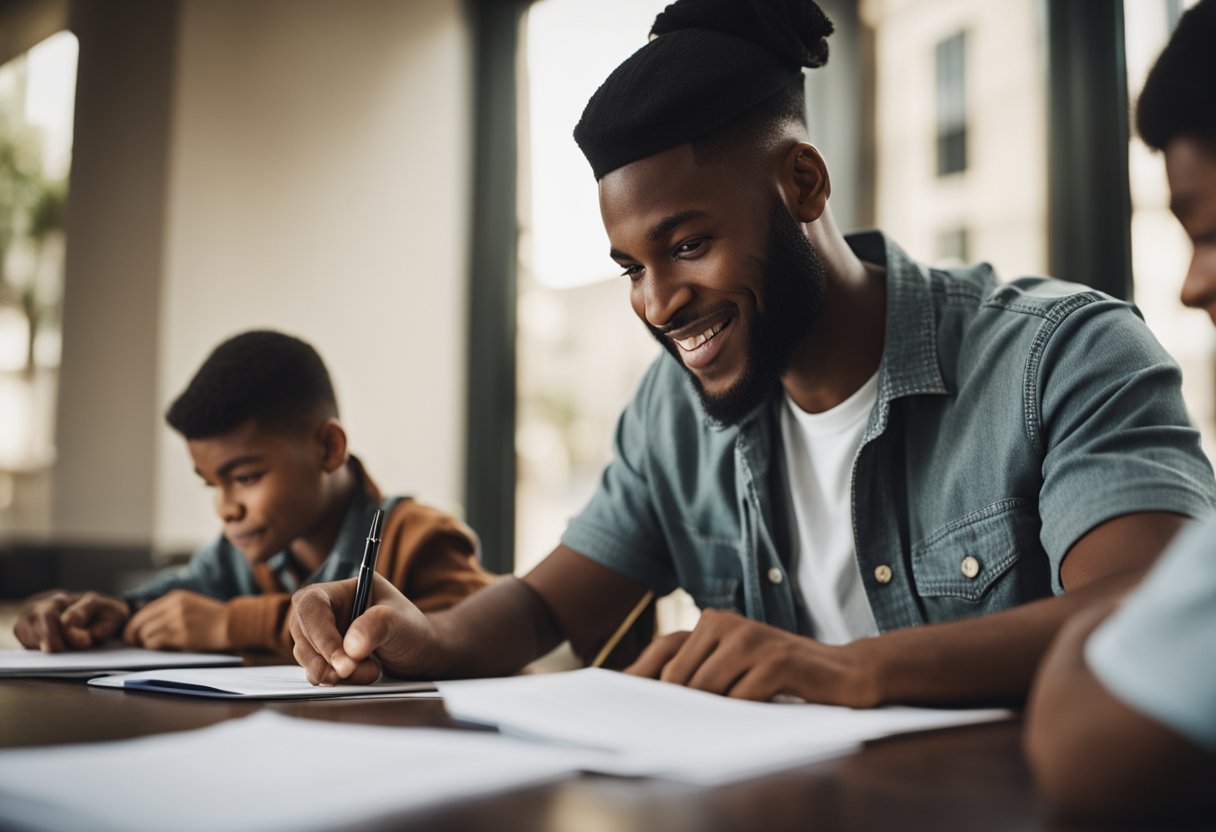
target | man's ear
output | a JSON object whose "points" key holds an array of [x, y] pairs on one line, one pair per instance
{"points": [[331, 438], [808, 185]]}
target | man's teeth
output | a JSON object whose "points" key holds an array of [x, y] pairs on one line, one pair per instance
{"points": [[691, 343]]}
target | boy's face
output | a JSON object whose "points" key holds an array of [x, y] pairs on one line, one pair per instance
{"points": [[719, 272], [269, 487], [1190, 166]]}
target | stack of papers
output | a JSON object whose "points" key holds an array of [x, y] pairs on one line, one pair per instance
{"points": [[656, 729], [270, 772], [273, 682], [265, 772], [111, 659]]}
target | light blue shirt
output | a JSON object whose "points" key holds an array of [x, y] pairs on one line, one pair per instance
{"points": [[1011, 419], [1157, 653]]}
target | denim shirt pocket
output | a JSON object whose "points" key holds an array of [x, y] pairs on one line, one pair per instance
{"points": [[712, 583], [969, 566]]}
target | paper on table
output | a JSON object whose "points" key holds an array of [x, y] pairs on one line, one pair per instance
{"points": [[265, 772], [665, 730], [271, 682], [103, 660]]}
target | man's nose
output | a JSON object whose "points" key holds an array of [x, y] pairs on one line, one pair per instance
{"points": [[662, 296]]}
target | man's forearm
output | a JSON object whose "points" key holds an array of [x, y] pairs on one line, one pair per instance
{"points": [[982, 659], [495, 631]]}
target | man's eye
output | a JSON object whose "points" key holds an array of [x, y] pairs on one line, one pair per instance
{"points": [[246, 479], [632, 272], [688, 247]]}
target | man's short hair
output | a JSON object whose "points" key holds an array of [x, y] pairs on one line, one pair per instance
{"points": [[1179, 97], [275, 379], [756, 129]]}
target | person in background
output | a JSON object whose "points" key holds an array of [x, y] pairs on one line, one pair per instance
{"points": [[880, 481], [260, 421], [1121, 721]]}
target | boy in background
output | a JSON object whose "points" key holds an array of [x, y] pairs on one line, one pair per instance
{"points": [[260, 421]]}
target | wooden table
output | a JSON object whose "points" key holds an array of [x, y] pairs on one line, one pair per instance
{"points": [[971, 778]]}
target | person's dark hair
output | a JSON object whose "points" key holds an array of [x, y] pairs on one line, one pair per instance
{"points": [[708, 63], [275, 379], [757, 129], [1179, 97]]}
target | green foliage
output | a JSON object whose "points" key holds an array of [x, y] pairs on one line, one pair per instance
{"points": [[32, 208]]}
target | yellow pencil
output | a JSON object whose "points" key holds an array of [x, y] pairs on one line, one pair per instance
{"points": [[616, 637]]}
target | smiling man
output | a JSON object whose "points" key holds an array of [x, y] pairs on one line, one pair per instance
{"points": [[260, 421], [881, 482]]}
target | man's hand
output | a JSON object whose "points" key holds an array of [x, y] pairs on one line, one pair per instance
{"points": [[744, 659], [179, 620], [58, 620], [392, 632]]}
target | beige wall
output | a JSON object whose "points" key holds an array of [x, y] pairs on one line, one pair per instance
{"points": [[318, 186], [315, 181], [104, 478]]}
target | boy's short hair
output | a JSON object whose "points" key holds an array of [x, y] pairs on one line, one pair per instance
{"points": [[275, 379], [1179, 96]]}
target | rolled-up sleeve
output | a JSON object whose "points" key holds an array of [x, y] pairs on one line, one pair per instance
{"points": [[619, 528], [1114, 427]]}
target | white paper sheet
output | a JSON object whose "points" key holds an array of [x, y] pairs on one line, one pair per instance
{"points": [[100, 660], [664, 730], [265, 772], [271, 682]]}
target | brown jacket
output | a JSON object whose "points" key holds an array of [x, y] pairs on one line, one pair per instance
{"points": [[426, 553]]}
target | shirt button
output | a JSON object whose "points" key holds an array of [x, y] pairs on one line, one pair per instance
{"points": [[775, 576], [971, 566], [882, 574]]}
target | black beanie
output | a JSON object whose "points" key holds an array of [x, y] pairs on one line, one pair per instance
{"points": [[707, 62]]}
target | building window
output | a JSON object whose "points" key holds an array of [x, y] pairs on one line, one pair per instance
{"points": [[951, 105], [953, 247], [1001, 200]]}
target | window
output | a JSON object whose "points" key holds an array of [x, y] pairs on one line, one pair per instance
{"points": [[951, 105], [952, 247], [37, 92], [581, 350]]}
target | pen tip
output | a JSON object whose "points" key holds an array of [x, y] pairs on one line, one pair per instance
{"points": [[377, 521]]}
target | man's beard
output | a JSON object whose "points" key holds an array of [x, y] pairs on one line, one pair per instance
{"points": [[793, 290]]}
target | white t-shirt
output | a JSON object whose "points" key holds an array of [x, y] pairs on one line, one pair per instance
{"points": [[819, 453]]}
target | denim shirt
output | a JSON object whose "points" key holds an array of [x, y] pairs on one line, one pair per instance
{"points": [[1011, 419]]}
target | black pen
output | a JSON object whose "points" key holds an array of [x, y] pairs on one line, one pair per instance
{"points": [[363, 589]]}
